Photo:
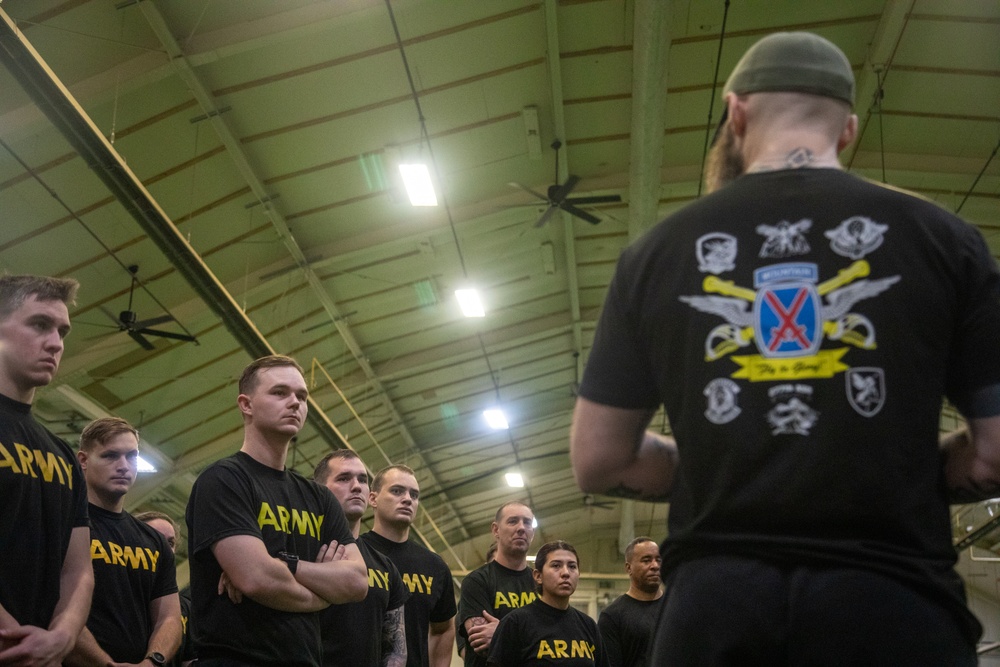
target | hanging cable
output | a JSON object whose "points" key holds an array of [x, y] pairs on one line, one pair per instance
{"points": [[425, 138], [879, 96], [980, 175], [108, 250], [711, 102]]}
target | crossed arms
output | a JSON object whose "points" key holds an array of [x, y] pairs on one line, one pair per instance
{"points": [[338, 576]]}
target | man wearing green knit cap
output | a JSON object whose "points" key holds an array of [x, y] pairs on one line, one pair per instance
{"points": [[801, 327]]}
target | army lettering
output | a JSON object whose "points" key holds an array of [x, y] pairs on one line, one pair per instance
{"points": [[513, 599], [577, 648], [417, 582], [134, 558], [284, 521], [35, 462], [378, 579]]}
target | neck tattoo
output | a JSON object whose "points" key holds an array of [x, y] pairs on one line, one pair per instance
{"points": [[800, 157], [797, 158]]}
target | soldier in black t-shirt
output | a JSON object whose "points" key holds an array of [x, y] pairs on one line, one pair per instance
{"points": [[430, 610], [166, 526], [627, 624], [461, 639], [371, 633], [135, 617], [275, 542], [492, 591], [801, 327], [549, 631], [45, 575]]}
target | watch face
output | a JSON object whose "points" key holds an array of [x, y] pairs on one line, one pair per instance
{"points": [[158, 659]]}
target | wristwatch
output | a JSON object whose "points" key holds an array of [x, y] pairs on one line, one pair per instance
{"points": [[291, 560], [157, 659]]}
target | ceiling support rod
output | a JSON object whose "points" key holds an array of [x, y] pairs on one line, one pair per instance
{"points": [[559, 127], [980, 532], [235, 150], [56, 102], [650, 49], [871, 78]]}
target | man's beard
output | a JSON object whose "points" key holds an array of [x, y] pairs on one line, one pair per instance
{"points": [[724, 163]]}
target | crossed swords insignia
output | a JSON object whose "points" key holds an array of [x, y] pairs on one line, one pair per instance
{"points": [[840, 292]]}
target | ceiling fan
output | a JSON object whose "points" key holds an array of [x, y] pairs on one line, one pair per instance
{"points": [[557, 196], [137, 329]]}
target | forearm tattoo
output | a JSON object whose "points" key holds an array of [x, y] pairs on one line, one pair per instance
{"points": [[394, 639]]}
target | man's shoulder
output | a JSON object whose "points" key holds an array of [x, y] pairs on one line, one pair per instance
{"points": [[481, 573], [19, 416], [617, 606], [150, 534], [625, 604], [374, 557], [227, 464]]}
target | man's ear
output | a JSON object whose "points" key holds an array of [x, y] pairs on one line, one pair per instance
{"points": [[737, 110], [849, 134], [243, 401], [81, 456]]}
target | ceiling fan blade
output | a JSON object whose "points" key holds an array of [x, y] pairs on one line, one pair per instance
{"points": [[545, 216], [580, 213], [597, 199], [560, 193], [152, 322], [167, 334], [137, 337], [112, 317], [528, 190]]}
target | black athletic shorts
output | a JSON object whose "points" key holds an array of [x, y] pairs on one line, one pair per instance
{"points": [[730, 610]]}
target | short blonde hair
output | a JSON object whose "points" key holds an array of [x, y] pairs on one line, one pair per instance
{"points": [[99, 431]]}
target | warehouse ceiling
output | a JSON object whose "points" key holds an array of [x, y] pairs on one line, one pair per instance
{"points": [[242, 155]]}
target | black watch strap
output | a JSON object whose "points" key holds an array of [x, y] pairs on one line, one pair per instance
{"points": [[291, 560], [157, 659]]}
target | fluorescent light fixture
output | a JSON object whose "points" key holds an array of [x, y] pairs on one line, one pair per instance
{"points": [[534, 522], [496, 419], [417, 180], [468, 301], [530, 559], [514, 479], [143, 465]]}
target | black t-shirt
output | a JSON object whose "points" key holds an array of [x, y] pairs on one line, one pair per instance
{"points": [[800, 328], [540, 634], [432, 592], [42, 499], [184, 652], [240, 496], [497, 590], [353, 633], [133, 565], [627, 626]]}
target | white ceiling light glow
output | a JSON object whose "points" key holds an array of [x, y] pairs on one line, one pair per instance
{"points": [[417, 180], [496, 419], [469, 302], [142, 465], [514, 479]]}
